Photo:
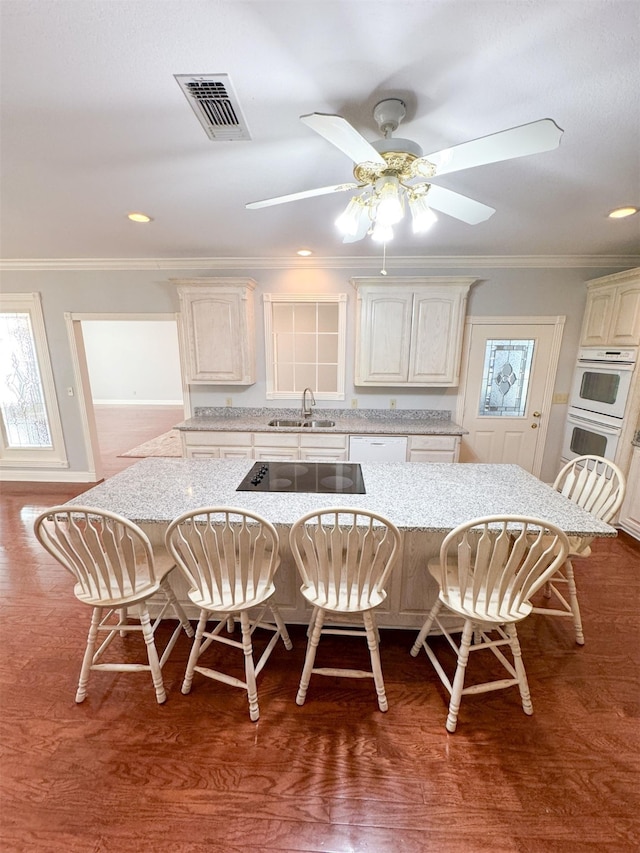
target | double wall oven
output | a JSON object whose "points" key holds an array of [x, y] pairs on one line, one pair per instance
{"points": [[598, 399]]}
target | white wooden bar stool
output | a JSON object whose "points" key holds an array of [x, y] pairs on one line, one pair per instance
{"points": [[344, 557], [116, 571], [230, 557], [597, 485], [487, 570]]}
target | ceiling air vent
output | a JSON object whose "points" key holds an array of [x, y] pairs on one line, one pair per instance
{"points": [[215, 103]]}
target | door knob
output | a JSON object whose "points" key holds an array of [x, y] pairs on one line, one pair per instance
{"points": [[537, 414], [534, 426]]}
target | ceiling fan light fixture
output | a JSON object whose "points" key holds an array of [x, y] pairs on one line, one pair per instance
{"points": [[389, 209], [422, 216], [382, 233], [392, 174], [348, 223]]}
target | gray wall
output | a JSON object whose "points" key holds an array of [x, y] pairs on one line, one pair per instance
{"points": [[499, 292]]}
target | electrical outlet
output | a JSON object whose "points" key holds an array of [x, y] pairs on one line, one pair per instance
{"points": [[392, 403], [229, 401], [354, 403], [560, 398]]}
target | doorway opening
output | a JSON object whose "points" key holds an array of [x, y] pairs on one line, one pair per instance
{"points": [[129, 383]]}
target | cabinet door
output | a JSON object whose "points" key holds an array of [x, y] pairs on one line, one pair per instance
{"points": [[322, 454], [436, 337], [210, 444], [276, 447], [434, 448], [382, 356], [409, 330], [625, 320], [323, 448], [218, 333], [202, 452], [275, 454], [597, 317], [236, 453]]}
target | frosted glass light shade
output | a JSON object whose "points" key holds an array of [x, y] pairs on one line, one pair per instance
{"points": [[389, 208], [348, 222], [421, 214], [382, 233]]}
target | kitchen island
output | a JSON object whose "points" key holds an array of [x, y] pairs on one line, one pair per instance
{"points": [[424, 501]]}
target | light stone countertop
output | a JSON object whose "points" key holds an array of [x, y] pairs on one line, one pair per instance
{"points": [[349, 421], [431, 497]]}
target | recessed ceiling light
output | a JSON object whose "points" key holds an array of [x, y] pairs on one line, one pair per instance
{"points": [[304, 253], [622, 212], [139, 217]]}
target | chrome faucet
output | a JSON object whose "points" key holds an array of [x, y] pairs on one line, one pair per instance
{"points": [[307, 411]]}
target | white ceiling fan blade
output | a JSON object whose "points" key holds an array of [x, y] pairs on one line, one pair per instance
{"points": [[344, 136], [267, 202], [533, 138], [459, 206]]}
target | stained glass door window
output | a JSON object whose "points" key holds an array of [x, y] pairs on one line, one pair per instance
{"points": [[30, 427], [505, 378], [24, 413]]}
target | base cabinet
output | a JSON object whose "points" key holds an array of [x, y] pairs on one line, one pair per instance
{"points": [[275, 447], [225, 445], [434, 448], [629, 518], [324, 448], [287, 447]]}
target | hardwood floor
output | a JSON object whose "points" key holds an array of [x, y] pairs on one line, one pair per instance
{"points": [[121, 428], [121, 774]]}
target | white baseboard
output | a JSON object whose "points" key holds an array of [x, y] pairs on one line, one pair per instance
{"points": [[30, 476]]}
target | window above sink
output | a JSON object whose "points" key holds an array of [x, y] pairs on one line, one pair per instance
{"points": [[305, 344]]}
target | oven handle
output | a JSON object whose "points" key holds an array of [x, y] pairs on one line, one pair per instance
{"points": [[600, 427], [607, 365]]}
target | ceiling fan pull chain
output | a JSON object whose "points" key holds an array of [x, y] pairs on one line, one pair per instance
{"points": [[383, 271]]}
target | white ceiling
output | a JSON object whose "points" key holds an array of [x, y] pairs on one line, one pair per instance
{"points": [[94, 125]]}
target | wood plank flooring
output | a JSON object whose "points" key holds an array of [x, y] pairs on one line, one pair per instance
{"points": [[120, 774], [121, 428]]}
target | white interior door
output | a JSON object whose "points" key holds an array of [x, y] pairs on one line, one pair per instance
{"points": [[508, 372]]}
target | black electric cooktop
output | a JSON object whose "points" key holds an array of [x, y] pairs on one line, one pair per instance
{"points": [[328, 477]]}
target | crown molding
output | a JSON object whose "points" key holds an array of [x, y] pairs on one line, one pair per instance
{"points": [[474, 262]]}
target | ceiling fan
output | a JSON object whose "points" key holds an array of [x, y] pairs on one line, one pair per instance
{"points": [[392, 173]]}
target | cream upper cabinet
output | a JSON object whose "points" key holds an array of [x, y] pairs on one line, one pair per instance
{"points": [[409, 330], [217, 330], [612, 314]]}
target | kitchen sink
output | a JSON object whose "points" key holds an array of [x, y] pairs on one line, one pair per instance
{"points": [[319, 423], [311, 424]]}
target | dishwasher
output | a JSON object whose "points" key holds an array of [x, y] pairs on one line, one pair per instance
{"points": [[378, 448]]}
